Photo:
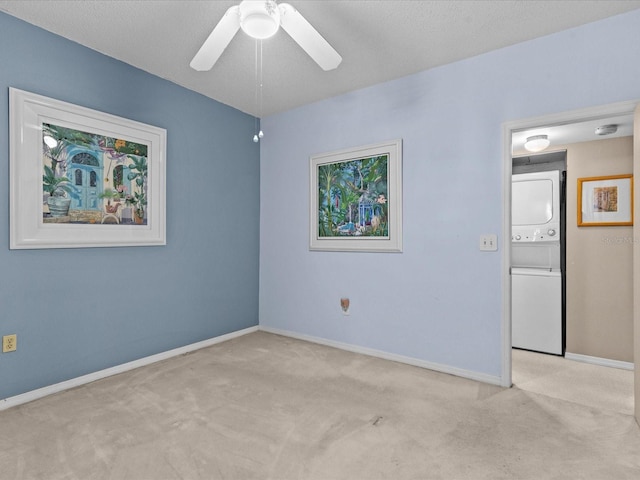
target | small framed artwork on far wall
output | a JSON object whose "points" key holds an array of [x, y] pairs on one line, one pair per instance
{"points": [[605, 201]]}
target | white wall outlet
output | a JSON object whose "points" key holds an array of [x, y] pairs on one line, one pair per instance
{"points": [[488, 242]]}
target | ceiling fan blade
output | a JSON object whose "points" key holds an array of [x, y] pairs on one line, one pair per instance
{"points": [[308, 38], [217, 41]]}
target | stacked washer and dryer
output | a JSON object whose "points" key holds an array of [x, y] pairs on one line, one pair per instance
{"points": [[537, 319]]}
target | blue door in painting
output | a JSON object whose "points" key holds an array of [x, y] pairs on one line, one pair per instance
{"points": [[86, 178]]}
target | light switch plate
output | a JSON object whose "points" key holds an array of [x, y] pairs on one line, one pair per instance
{"points": [[488, 242]]}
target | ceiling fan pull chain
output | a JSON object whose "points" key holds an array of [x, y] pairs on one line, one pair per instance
{"points": [[260, 133], [255, 136]]}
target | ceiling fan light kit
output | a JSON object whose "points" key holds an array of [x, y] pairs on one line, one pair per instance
{"points": [[259, 19]]}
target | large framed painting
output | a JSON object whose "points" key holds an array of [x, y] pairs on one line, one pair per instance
{"points": [[356, 199], [83, 178], [605, 201]]}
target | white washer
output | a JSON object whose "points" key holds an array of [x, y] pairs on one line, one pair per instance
{"points": [[536, 313]]}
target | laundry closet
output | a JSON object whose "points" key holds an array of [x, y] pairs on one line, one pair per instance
{"points": [[538, 252]]}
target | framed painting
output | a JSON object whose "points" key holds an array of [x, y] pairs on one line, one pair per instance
{"points": [[605, 201], [356, 199], [83, 178]]}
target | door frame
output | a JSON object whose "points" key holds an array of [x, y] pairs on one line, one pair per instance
{"points": [[508, 129]]}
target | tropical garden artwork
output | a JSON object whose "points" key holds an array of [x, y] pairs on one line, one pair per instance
{"points": [[353, 198], [89, 178]]}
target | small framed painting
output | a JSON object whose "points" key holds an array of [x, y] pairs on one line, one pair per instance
{"points": [[605, 201], [356, 199], [83, 178]]}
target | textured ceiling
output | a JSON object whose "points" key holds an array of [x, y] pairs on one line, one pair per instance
{"points": [[566, 134], [378, 40]]}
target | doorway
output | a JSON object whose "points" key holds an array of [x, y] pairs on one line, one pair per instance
{"points": [[511, 129], [87, 180]]}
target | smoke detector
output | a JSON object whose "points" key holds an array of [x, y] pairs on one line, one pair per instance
{"points": [[606, 129]]}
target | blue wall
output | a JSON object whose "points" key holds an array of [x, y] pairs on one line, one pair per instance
{"points": [[77, 311], [440, 300]]}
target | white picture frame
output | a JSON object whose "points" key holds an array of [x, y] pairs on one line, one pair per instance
{"points": [[105, 224], [356, 199]]}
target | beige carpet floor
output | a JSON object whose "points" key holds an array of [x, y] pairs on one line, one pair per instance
{"points": [[608, 389], [268, 407]]}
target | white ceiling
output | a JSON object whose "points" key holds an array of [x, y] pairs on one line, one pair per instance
{"points": [[379, 40], [560, 135]]}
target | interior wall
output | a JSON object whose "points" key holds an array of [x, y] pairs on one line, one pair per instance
{"points": [[77, 311], [440, 300], [599, 260], [636, 267]]}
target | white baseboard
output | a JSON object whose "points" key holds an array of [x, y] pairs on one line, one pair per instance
{"points": [[605, 362], [92, 377], [459, 372]]}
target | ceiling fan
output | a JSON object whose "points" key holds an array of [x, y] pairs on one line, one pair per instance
{"points": [[261, 19]]}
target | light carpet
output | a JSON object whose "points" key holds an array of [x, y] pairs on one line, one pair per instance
{"points": [[264, 406]]}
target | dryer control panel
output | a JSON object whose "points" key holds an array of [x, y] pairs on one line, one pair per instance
{"points": [[546, 233]]}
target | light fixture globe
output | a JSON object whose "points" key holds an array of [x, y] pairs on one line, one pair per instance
{"points": [[537, 143], [259, 19]]}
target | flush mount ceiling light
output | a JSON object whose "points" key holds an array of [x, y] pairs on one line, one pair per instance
{"points": [[537, 143]]}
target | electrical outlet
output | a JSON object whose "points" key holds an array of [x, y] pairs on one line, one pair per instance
{"points": [[9, 343]]}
